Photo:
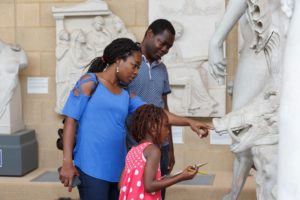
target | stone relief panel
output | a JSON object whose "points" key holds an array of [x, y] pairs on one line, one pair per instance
{"points": [[82, 32], [12, 59], [194, 91]]}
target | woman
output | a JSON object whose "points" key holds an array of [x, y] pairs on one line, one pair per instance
{"points": [[96, 114]]}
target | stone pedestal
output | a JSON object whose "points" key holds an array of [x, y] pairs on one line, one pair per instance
{"points": [[18, 153], [11, 121]]}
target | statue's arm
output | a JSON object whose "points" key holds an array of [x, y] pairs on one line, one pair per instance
{"points": [[235, 9]]}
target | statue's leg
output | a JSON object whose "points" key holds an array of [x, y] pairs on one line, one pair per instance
{"points": [[241, 167]]}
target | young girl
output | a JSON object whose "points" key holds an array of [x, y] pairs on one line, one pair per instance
{"points": [[141, 178]]}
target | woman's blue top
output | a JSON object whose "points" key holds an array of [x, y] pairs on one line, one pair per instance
{"points": [[100, 149]]}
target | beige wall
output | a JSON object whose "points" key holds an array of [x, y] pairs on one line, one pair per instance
{"points": [[30, 23]]}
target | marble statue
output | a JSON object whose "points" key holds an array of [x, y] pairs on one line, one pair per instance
{"points": [[260, 59], [82, 32], [289, 148], [120, 30], [98, 37], [72, 55], [12, 60], [62, 68], [195, 96]]}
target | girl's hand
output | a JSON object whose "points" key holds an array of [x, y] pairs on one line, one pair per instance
{"points": [[189, 173], [66, 174]]}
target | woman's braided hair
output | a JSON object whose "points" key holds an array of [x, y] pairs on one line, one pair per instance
{"points": [[120, 48], [146, 120]]}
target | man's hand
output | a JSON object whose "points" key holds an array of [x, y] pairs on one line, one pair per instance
{"points": [[200, 128]]}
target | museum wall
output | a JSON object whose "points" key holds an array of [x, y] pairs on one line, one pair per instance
{"points": [[30, 24]]}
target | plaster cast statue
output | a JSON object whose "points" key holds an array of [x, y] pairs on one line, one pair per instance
{"points": [[62, 69], [259, 60], [82, 32], [12, 59], [98, 37], [289, 148], [72, 56], [195, 97], [120, 30]]}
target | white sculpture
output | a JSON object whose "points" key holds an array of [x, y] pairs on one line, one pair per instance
{"points": [[72, 56], [195, 97], [289, 148], [262, 34], [82, 32], [194, 92], [12, 59], [98, 37], [120, 30]]}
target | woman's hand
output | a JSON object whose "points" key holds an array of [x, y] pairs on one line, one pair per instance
{"points": [[67, 172]]}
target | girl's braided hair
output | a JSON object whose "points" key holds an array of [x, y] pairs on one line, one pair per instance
{"points": [[147, 120], [120, 48]]}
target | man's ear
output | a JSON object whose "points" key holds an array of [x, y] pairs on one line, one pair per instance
{"points": [[149, 34]]}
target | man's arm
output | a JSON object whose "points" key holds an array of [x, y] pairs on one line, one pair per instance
{"points": [[198, 127]]}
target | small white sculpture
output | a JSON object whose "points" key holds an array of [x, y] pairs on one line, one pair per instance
{"points": [[98, 37], [12, 59], [120, 31]]}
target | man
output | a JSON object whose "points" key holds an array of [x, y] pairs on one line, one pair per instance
{"points": [[152, 82]]}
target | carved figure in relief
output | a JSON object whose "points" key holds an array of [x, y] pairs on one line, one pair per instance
{"points": [[98, 37], [62, 68], [195, 96], [120, 29]]}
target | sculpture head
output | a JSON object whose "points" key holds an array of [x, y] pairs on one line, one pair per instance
{"points": [[123, 56], [64, 35], [98, 23], [254, 124], [119, 25], [158, 39], [77, 36], [178, 28]]}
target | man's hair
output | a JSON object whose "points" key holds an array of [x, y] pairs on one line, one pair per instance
{"points": [[160, 25]]}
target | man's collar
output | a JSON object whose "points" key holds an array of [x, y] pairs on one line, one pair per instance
{"points": [[156, 62]]}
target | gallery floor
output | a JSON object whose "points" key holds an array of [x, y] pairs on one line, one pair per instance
{"points": [[34, 187]]}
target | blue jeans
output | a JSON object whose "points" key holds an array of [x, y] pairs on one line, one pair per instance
{"points": [[96, 189], [164, 162]]}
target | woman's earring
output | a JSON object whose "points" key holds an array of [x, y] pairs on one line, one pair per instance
{"points": [[117, 69]]}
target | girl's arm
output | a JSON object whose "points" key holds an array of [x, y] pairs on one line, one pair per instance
{"points": [[152, 155], [121, 180]]}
